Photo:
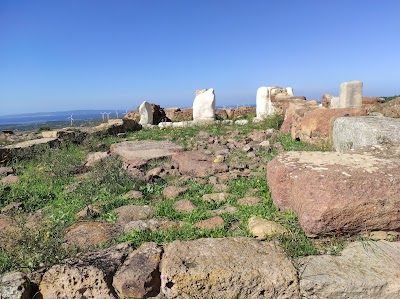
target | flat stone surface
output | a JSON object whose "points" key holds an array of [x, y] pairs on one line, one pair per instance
{"points": [[363, 270], [30, 143], [144, 150], [133, 212], [333, 192], [195, 164], [211, 223], [173, 191], [153, 225], [184, 206], [356, 132], [89, 233], [227, 268], [262, 228]]}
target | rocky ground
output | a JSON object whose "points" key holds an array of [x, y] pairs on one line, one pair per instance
{"points": [[187, 213]]}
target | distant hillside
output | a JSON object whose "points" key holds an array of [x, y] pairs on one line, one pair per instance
{"points": [[387, 99]]}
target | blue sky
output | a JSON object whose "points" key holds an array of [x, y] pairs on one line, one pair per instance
{"points": [[98, 54]]}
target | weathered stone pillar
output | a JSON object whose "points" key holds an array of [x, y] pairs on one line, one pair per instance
{"points": [[204, 106], [350, 94], [146, 114], [263, 102]]}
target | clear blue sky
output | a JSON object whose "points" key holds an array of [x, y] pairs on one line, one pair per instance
{"points": [[98, 54]]}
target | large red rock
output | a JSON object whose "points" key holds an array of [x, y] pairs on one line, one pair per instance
{"points": [[315, 126], [333, 193]]}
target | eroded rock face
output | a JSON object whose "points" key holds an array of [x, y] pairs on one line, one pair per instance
{"points": [[363, 270], [89, 277], [332, 192], [15, 285], [227, 268], [139, 276]]}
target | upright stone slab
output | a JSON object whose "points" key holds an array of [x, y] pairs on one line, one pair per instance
{"points": [[263, 103], [146, 114], [350, 94], [289, 91], [355, 132], [204, 106]]}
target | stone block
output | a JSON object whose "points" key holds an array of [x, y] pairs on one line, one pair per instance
{"points": [[351, 94], [356, 132]]}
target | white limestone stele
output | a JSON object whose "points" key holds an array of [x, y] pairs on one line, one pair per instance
{"points": [[204, 106], [264, 105], [146, 114]]}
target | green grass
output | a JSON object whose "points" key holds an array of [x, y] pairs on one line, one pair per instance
{"points": [[55, 183]]}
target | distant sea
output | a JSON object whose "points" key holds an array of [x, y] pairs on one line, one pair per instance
{"points": [[33, 121], [42, 117]]}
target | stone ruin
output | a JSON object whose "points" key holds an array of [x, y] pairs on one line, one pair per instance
{"points": [[266, 96], [204, 106]]}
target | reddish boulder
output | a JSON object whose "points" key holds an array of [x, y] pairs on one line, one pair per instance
{"points": [[331, 192], [315, 126]]}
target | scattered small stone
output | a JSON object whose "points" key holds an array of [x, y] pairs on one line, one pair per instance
{"points": [[4, 171], [89, 233], [184, 205], [249, 201], [173, 191], [211, 223], [247, 148], [134, 194], [220, 187], [9, 180], [133, 212], [90, 210], [213, 180], [262, 228], [216, 197], [153, 225], [93, 158], [382, 235], [12, 208], [251, 155], [279, 147], [224, 210]]}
